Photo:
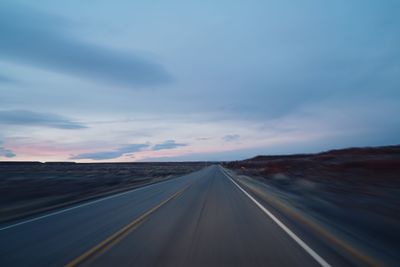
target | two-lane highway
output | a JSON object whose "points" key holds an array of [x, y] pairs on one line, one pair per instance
{"points": [[201, 219]]}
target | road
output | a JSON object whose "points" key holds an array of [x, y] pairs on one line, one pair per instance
{"points": [[200, 219]]}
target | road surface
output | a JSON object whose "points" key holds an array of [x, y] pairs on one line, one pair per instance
{"points": [[200, 219]]}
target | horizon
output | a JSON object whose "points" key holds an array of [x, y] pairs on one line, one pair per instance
{"points": [[168, 82], [207, 161]]}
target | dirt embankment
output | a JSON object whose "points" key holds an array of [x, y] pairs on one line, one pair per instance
{"points": [[354, 193]]}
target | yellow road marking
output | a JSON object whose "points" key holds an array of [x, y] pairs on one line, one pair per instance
{"points": [[110, 241]]}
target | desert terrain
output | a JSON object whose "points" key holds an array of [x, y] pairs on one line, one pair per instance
{"points": [[351, 195], [28, 188]]}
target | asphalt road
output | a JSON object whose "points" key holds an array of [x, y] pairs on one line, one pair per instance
{"points": [[201, 219]]}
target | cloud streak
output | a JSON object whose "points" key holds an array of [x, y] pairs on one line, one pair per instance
{"points": [[43, 41], [5, 79], [231, 137], [4, 152], [31, 118], [169, 144], [103, 155]]}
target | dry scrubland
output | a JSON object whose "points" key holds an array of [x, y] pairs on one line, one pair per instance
{"points": [[27, 188], [353, 193]]}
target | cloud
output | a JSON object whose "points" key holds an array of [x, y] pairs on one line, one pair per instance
{"points": [[102, 155], [169, 144], [203, 138], [266, 78], [5, 79], [31, 118], [6, 152], [41, 40], [231, 137]]}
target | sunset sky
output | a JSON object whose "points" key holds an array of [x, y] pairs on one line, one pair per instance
{"points": [[94, 81]]}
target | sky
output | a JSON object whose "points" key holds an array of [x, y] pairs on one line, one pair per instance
{"points": [[99, 81]]}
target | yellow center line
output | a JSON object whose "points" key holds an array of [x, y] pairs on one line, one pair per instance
{"points": [[110, 241]]}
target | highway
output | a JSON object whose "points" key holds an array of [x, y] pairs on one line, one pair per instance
{"points": [[201, 219]]}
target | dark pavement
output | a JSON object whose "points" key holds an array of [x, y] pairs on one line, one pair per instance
{"points": [[207, 221]]}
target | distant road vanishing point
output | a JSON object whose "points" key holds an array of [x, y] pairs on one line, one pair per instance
{"points": [[201, 219]]}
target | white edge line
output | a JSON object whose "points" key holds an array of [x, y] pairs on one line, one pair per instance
{"points": [[81, 205], [309, 250]]}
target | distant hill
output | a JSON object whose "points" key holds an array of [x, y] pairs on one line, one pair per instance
{"points": [[353, 151], [367, 163]]}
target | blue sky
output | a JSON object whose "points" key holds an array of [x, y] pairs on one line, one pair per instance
{"points": [[196, 80]]}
